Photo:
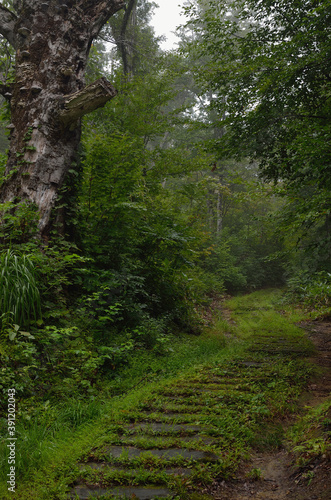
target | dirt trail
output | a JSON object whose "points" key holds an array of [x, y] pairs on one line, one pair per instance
{"points": [[280, 480]]}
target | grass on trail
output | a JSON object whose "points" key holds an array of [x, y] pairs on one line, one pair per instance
{"points": [[263, 367]]}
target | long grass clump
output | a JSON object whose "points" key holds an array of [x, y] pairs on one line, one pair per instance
{"points": [[19, 293]]}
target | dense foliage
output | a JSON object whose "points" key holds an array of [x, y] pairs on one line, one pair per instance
{"points": [[166, 207], [268, 66]]}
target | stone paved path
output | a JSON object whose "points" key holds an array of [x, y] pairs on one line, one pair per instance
{"points": [[171, 437], [184, 431]]}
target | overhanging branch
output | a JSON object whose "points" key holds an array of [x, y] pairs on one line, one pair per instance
{"points": [[7, 23], [84, 101]]}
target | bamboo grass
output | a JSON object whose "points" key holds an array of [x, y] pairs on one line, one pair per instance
{"points": [[19, 294]]}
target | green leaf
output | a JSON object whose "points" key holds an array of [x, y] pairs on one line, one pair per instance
{"points": [[12, 334]]}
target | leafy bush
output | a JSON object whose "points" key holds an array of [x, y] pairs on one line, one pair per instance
{"points": [[222, 263], [119, 299], [151, 334], [18, 222], [56, 270], [58, 362]]}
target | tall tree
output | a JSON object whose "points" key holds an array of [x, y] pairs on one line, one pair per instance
{"points": [[269, 71], [268, 67], [134, 37], [47, 96]]}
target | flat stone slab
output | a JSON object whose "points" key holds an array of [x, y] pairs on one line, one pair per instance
{"points": [[162, 441], [192, 400], [163, 428], [197, 437], [198, 390], [169, 417], [251, 364], [142, 493], [131, 452], [110, 467], [177, 408], [215, 380]]}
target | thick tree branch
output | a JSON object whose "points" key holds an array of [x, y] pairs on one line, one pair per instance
{"points": [[101, 11], [7, 23], [86, 100]]}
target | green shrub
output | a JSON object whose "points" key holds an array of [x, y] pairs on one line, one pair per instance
{"points": [[152, 334], [18, 222]]}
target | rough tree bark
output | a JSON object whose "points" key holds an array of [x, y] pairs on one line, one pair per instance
{"points": [[48, 97]]}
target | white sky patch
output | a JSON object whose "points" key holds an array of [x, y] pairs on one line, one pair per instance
{"points": [[165, 20]]}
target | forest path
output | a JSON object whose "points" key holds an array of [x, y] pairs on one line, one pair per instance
{"points": [[218, 432]]}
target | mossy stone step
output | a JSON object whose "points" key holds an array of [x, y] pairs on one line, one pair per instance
{"points": [[251, 364], [280, 345], [160, 441], [165, 428], [195, 383], [275, 348], [193, 400], [84, 492], [176, 407], [197, 412], [198, 390], [202, 389], [169, 417], [198, 437], [200, 400], [130, 452], [100, 466]]}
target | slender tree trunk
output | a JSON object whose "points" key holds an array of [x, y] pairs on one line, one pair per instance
{"points": [[210, 211], [219, 214], [48, 96]]}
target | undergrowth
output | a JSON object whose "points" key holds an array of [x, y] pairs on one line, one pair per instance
{"points": [[313, 292], [310, 437]]}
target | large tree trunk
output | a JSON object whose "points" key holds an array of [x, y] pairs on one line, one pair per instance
{"points": [[48, 97]]}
